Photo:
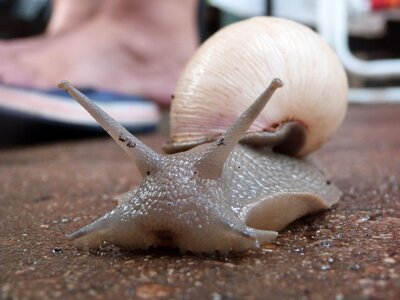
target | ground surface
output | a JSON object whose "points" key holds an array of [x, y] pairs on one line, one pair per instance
{"points": [[349, 252]]}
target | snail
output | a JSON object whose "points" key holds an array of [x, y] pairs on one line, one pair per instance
{"points": [[255, 99]]}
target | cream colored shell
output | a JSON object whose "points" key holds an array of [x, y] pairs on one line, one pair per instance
{"points": [[233, 67]]}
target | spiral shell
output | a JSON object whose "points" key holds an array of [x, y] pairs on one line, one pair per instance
{"points": [[233, 67]]}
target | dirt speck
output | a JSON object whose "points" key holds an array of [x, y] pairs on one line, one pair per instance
{"points": [[153, 291]]}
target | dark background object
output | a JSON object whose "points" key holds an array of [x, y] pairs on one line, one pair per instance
{"points": [[22, 129], [269, 9], [21, 18], [208, 20], [382, 47]]}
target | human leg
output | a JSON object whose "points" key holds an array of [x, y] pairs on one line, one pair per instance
{"points": [[130, 46]]}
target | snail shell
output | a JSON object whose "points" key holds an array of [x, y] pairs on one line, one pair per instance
{"points": [[235, 65]]}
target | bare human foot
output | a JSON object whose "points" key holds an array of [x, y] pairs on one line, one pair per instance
{"points": [[134, 47], [66, 16]]}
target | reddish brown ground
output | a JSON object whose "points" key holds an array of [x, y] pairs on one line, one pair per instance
{"points": [[349, 252]]}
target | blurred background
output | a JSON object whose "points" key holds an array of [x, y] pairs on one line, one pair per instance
{"points": [[364, 33]]}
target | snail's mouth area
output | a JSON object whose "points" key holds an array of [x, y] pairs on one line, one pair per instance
{"points": [[164, 238]]}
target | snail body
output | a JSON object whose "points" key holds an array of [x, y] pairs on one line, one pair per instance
{"points": [[230, 190]]}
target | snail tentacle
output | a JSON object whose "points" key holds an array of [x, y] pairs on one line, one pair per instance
{"points": [[212, 160], [144, 157]]}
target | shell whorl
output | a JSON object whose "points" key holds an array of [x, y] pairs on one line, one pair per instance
{"points": [[235, 65]]}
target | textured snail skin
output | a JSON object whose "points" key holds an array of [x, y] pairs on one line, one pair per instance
{"points": [[221, 196], [235, 65], [257, 195]]}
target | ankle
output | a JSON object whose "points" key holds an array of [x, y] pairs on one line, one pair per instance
{"points": [[153, 19], [67, 15]]}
